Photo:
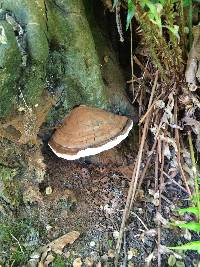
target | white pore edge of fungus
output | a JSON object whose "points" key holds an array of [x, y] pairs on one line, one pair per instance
{"points": [[95, 150]]}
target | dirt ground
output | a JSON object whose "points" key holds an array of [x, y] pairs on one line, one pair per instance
{"points": [[89, 196]]}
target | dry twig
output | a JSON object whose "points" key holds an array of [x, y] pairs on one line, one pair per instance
{"points": [[135, 177], [177, 138], [161, 185]]}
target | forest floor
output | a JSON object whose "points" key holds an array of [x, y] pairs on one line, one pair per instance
{"points": [[89, 197]]}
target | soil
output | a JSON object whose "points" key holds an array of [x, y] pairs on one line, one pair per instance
{"points": [[89, 196]]}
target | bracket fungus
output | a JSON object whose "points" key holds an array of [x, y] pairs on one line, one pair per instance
{"points": [[88, 131]]}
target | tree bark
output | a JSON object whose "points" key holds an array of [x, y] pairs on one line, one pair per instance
{"points": [[51, 59]]}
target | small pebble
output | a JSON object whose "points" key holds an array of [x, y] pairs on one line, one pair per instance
{"points": [[48, 227], [67, 254], [35, 255], [130, 255], [104, 257], [48, 190], [131, 264], [31, 263], [88, 261], [133, 252], [77, 262], [111, 253], [115, 234], [187, 235], [92, 244]]}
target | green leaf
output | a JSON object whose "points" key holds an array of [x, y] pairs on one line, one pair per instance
{"points": [[131, 12], [195, 245], [180, 264], [154, 13], [186, 3], [171, 260], [153, 9], [195, 198], [174, 30], [193, 210], [190, 226]]}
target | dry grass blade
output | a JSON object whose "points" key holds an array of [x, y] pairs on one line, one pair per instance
{"points": [[132, 72], [161, 185], [150, 108], [195, 173], [146, 72], [151, 153], [135, 177], [176, 183], [156, 172], [177, 138]]}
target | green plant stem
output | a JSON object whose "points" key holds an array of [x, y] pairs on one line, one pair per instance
{"points": [[190, 23], [182, 29], [194, 170]]}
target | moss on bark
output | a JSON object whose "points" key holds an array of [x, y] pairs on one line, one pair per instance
{"points": [[61, 56], [9, 67]]}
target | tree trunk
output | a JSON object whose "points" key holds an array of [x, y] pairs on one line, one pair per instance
{"points": [[51, 59]]}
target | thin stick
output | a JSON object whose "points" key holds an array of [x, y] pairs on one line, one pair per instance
{"points": [[140, 87], [177, 138], [146, 228], [132, 71], [159, 151], [124, 218], [145, 130], [159, 207], [195, 175], [184, 178], [149, 109], [153, 104], [167, 200], [17, 242], [153, 89], [150, 157], [125, 249], [118, 22], [156, 172], [133, 184], [182, 188], [145, 70], [140, 102]]}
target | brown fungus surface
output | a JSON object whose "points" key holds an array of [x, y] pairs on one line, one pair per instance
{"points": [[89, 131]]}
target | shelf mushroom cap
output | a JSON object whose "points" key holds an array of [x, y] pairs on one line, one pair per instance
{"points": [[88, 131]]}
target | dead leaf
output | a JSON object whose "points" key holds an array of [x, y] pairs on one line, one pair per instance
{"points": [[77, 262], [168, 117], [49, 259], [160, 218], [192, 70], [58, 244], [127, 171], [57, 247]]}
